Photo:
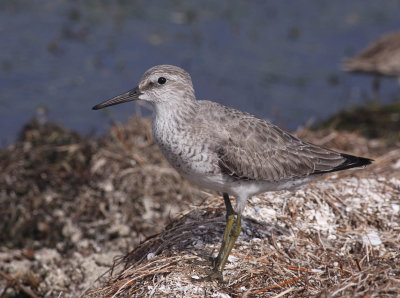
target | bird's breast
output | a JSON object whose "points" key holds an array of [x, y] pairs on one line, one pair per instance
{"points": [[184, 150]]}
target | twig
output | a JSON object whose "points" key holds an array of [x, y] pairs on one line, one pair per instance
{"points": [[284, 292], [276, 286], [24, 289], [290, 267]]}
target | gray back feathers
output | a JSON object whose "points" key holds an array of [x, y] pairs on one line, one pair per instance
{"points": [[251, 148], [239, 144]]}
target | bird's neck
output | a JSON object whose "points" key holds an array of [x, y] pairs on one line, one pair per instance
{"points": [[170, 123], [174, 113]]}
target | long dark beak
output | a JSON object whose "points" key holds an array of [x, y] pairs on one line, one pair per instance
{"points": [[128, 96]]}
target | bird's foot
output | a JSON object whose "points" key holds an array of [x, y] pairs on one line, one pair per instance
{"points": [[206, 260], [214, 275]]}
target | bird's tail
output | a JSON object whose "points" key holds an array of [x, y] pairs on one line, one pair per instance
{"points": [[352, 161]]}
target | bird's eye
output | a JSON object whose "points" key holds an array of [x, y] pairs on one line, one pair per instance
{"points": [[162, 80]]}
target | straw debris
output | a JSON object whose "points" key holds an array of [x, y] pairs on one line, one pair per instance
{"points": [[110, 217]]}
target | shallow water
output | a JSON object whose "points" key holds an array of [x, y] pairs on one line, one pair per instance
{"points": [[275, 59]]}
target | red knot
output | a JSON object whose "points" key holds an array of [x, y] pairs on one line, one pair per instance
{"points": [[381, 58], [227, 150]]}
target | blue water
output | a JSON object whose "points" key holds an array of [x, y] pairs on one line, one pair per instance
{"points": [[275, 59]]}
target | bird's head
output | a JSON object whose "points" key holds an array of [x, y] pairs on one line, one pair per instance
{"points": [[161, 84]]}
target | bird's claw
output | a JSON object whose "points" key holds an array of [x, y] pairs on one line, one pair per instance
{"points": [[214, 275]]}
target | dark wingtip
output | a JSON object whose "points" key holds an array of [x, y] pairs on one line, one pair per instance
{"points": [[352, 161]]}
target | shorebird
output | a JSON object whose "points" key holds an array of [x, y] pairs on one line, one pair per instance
{"points": [[381, 58], [227, 150]]}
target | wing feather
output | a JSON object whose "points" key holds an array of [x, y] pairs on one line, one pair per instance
{"points": [[268, 153], [254, 149]]}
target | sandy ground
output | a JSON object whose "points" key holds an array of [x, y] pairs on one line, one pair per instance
{"points": [[110, 217]]}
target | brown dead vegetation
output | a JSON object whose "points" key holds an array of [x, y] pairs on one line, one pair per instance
{"points": [[69, 205]]}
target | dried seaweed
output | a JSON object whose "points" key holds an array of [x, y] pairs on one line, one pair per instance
{"points": [[71, 207]]}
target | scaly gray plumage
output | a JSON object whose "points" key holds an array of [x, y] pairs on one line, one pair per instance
{"points": [[227, 150]]}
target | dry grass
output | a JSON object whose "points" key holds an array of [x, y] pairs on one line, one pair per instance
{"points": [[70, 205], [337, 237]]}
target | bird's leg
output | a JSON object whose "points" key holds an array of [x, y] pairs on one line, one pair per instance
{"points": [[228, 240], [219, 266], [230, 217], [376, 89]]}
